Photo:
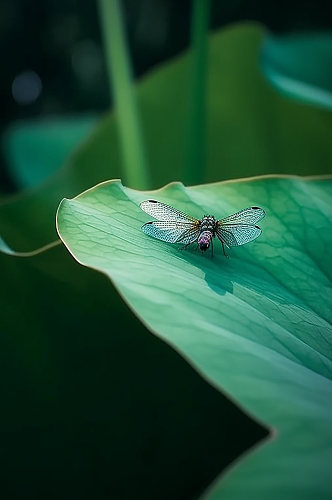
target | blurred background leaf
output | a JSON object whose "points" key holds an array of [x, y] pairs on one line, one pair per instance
{"points": [[36, 149], [299, 65], [55, 49]]}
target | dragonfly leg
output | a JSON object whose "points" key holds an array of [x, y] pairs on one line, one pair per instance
{"points": [[223, 245], [223, 248], [211, 248], [185, 246]]}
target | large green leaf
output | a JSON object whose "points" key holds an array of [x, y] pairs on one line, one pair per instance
{"points": [[257, 325], [92, 405], [251, 129]]}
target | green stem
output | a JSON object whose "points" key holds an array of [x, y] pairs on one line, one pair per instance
{"points": [[120, 77], [196, 130]]}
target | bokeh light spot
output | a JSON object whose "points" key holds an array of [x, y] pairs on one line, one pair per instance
{"points": [[26, 87]]}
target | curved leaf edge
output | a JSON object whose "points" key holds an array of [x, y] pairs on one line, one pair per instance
{"points": [[302, 92], [6, 249]]}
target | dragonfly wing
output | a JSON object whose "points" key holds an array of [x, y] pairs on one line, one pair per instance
{"points": [[237, 234], [249, 215], [189, 236], [170, 231], [161, 211]]}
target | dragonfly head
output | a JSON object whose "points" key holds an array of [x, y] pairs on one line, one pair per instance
{"points": [[204, 240]]}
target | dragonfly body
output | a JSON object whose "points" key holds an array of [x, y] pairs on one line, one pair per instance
{"points": [[208, 228], [174, 226]]}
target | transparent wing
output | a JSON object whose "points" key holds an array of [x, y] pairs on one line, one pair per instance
{"points": [[249, 215], [237, 234], [161, 211], [171, 231]]}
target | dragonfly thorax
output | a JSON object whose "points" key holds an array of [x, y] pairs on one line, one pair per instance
{"points": [[208, 223]]}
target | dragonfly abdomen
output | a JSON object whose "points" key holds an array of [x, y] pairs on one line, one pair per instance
{"points": [[204, 240]]}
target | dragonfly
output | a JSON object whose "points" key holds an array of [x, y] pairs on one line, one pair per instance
{"points": [[174, 226]]}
